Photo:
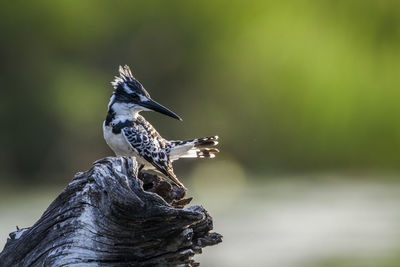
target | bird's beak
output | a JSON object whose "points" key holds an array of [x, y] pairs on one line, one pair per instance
{"points": [[153, 105]]}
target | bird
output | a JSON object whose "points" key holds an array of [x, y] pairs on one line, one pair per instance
{"points": [[129, 134]]}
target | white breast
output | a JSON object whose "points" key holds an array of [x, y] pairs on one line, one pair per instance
{"points": [[120, 146], [116, 142]]}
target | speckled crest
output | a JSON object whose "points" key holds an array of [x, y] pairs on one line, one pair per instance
{"points": [[126, 83]]}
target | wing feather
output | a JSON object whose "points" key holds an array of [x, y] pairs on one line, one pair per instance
{"points": [[150, 149]]}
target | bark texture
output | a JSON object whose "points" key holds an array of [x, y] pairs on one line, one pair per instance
{"points": [[108, 216]]}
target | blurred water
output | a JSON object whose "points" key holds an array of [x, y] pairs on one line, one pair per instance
{"points": [[287, 222], [22, 207], [305, 223]]}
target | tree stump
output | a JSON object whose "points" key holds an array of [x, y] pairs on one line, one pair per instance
{"points": [[108, 216]]}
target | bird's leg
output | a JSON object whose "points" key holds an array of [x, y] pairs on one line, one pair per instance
{"points": [[141, 168]]}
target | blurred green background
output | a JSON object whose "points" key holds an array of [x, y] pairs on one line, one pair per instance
{"points": [[303, 94]]}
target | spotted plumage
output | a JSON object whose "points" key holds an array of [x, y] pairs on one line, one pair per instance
{"points": [[146, 142], [129, 134]]}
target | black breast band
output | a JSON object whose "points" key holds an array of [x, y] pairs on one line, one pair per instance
{"points": [[116, 129]]}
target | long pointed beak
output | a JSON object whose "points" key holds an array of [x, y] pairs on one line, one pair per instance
{"points": [[153, 105]]}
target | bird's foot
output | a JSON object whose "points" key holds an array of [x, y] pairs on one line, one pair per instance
{"points": [[140, 168]]}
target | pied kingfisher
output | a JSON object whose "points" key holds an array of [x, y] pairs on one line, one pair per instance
{"points": [[129, 134]]}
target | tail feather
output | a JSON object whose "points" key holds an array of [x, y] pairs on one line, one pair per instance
{"points": [[195, 148], [207, 153]]}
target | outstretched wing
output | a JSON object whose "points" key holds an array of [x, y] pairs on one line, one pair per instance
{"points": [[148, 147]]}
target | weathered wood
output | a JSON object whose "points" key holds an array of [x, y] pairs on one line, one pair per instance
{"points": [[104, 217]]}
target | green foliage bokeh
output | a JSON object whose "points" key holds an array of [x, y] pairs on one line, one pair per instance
{"points": [[288, 85]]}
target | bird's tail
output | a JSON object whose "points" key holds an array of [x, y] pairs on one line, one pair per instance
{"points": [[195, 148]]}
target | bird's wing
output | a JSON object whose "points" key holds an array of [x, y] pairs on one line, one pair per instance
{"points": [[148, 147]]}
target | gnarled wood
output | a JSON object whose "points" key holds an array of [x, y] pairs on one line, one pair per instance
{"points": [[104, 217]]}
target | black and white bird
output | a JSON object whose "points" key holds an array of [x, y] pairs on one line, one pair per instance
{"points": [[129, 134]]}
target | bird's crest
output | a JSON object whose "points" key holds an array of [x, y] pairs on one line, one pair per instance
{"points": [[127, 82], [125, 76]]}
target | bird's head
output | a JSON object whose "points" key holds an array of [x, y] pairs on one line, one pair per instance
{"points": [[129, 96]]}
